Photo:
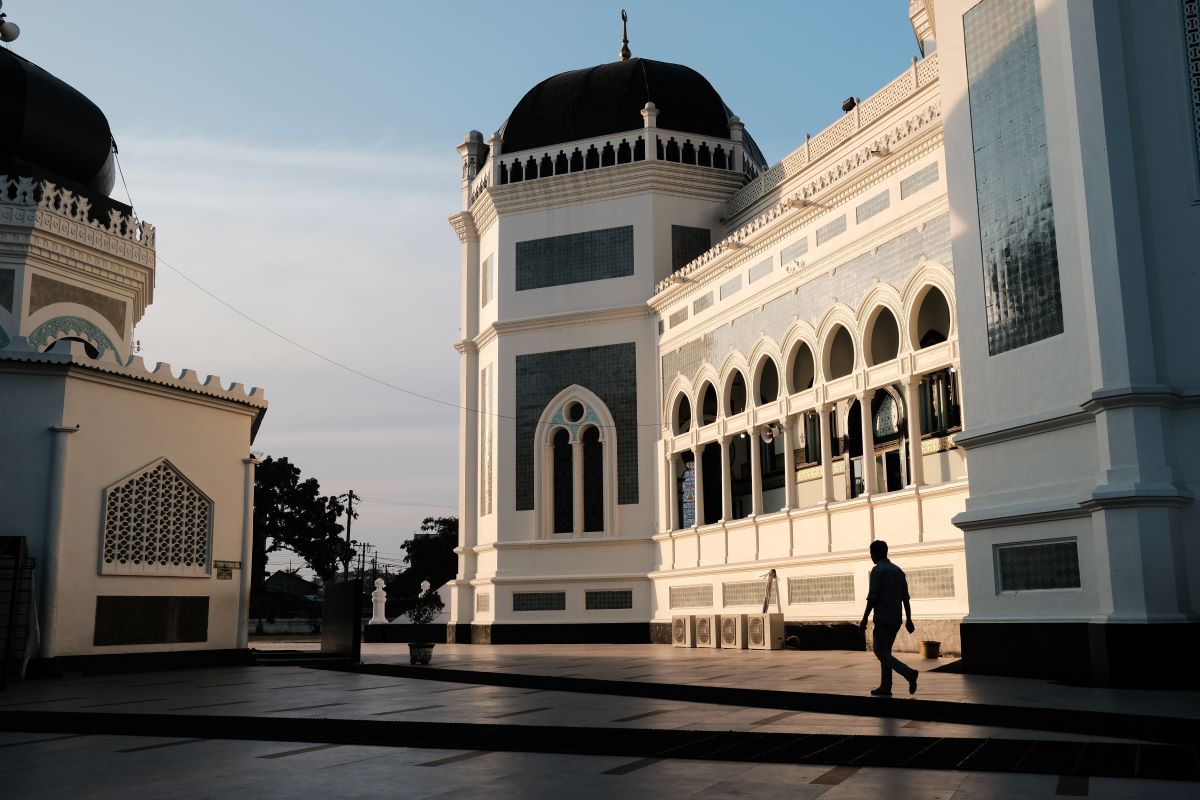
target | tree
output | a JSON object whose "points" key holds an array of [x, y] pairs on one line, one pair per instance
{"points": [[430, 557], [293, 514]]}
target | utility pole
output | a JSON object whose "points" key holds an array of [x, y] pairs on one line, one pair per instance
{"points": [[350, 498]]}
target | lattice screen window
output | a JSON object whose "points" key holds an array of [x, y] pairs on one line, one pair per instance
{"points": [[747, 593], [483, 601], [697, 595], [156, 522], [821, 589], [539, 601], [926, 584], [608, 600]]}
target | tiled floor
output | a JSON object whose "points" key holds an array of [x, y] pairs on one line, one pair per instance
{"points": [[54, 765]]}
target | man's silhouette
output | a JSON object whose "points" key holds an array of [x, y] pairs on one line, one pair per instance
{"points": [[888, 590]]}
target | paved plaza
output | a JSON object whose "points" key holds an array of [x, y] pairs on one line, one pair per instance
{"points": [[70, 737]]}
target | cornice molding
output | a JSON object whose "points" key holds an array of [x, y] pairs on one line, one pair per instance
{"points": [[569, 319], [464, 227]]}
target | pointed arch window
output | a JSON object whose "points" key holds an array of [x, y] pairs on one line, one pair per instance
{"points": [[156, 522], [577, 471]]}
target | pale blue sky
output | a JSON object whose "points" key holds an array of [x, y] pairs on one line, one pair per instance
{"points": [[298, 159]]}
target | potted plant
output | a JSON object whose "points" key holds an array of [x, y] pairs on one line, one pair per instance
{"points": [[427, 606]]}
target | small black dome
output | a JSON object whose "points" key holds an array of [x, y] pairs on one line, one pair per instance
{"points": [[50, 130], [609, 98]]}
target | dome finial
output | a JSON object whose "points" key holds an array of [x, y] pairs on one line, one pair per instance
{"points": [[625, 54]]}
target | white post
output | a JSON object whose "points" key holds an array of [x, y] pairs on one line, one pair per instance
{"points": [[912, 413], [52, 544], [789, 465], [673, 496], [378, 604], [756, 504], [726, 482], [243, 629], [698, 466], [548, 491], [868, 441], [826, 453]]}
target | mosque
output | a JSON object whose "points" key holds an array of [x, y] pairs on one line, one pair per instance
{"points": [[129, 486], [957, 319]]}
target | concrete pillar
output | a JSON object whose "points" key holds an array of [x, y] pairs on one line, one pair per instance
{"points": [[826, 452], [912, 414], [699, 467], [726, 482], [868, 441], [673, 496], [789, 465], [577, 488], [243, 628], [52, 543], [756, 504], [548, 491]]}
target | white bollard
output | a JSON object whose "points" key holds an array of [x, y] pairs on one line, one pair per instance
{"points": [[378, 602]]}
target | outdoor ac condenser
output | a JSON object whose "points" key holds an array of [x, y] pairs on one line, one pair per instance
{"points": [[683, 630], [733, 631], [708, 630], [764, 631]]}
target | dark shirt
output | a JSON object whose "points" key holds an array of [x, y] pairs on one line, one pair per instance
{"points": [[889, 589]]}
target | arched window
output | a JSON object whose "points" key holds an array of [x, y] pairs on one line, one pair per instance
{"points": [[576, 483], [683, 414], [840, 361], [933, 319], [768, 382], [708, 404], [883, 338], [736, 399], [803, 369]]}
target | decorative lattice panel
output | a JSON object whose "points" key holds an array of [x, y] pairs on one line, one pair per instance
{"points": [[156, 523], [821, 589], [931, 583], [608, 600], [698, 595], [747, 593]]}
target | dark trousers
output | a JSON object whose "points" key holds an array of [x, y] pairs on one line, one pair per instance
{"points": [[885, 637]]}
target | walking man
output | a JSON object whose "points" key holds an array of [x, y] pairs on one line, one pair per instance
{"points": [[888, 590]]}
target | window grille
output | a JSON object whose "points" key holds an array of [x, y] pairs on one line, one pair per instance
{"points": [[931, 583], [821, 589], [794, 251], [608, 600], [760, 270], [747, 593], [923, 177], [539, 601], [1037, 565], [483, 601], [831, 229], [699, 595], [870, 208], [156, 523]]}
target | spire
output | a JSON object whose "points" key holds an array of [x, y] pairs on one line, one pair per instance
{"points": [[625, 54]]}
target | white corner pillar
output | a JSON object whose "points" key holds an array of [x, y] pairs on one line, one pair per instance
{"points": [[826, 452], [789, 465], [912, 416], [243, 628], [698, 466], [547, 484], [673, 496], [868, 441], [60, 450], [577, 488], [756, 504], [726, 482]]}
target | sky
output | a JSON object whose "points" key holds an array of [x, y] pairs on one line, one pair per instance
{"points": [[297, 159]]}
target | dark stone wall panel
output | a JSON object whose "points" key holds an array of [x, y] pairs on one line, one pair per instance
{"points": [[47, 291], [575, 258], [610, 371], [7, 282], [150, 620]]}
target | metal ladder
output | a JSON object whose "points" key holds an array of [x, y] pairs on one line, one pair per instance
{"points": [[18, 614]]}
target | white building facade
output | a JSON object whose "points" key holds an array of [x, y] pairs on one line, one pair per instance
{"points": [[132, 485], [782, 369]]}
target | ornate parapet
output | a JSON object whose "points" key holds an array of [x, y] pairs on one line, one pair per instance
{"points": [[53, 208]]}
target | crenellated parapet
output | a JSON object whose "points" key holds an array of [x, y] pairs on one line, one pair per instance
{"points": [[71, 265]]}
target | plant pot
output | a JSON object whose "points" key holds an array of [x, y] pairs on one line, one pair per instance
{"points": [[930, 648], [420, 652]]}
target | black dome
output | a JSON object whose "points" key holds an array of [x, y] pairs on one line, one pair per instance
{"points": [[609, 98], [50, 130]]}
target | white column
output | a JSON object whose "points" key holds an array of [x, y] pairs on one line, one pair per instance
{"points": [[868, 441], [826, 452], [726, 483], [755, 473], [52, 543], [577, 488], [673, 496], [243, 628], [698, 465], [912, 413], [789, 465]]}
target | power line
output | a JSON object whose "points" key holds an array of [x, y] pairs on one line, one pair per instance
{"points": [[353, 370]]}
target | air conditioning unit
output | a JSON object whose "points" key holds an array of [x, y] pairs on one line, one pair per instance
{"points": [[733, 631], [764, 631], [683, 630], [708, 630]]}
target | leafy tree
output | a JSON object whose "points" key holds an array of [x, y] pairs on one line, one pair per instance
{"points": [[430, 557], [292, 514]]}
